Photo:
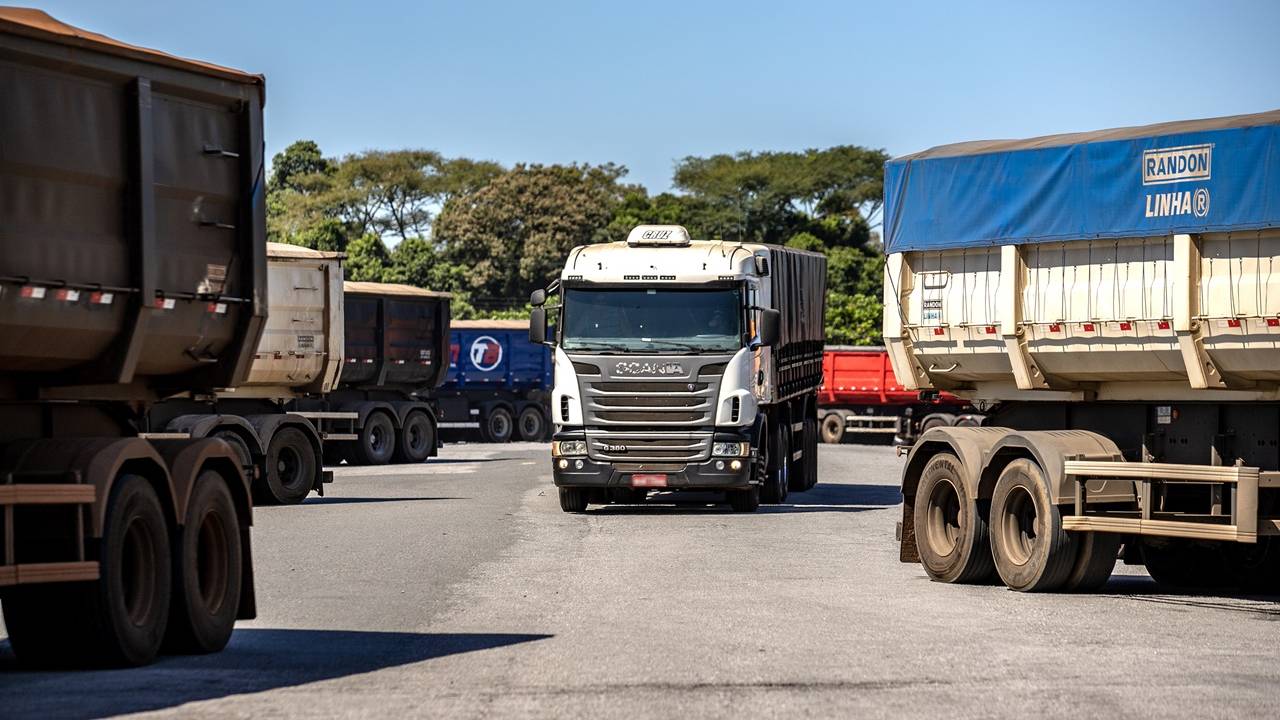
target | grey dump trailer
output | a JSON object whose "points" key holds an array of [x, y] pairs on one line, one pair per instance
{"points": [[132, 267], [396, 350], [684, 365], [299, 356], [1110, 300]]}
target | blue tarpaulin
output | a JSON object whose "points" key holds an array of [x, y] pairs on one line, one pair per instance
{"points": [[1197, 176]]}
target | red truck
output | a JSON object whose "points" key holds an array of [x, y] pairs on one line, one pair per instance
{"points": [[860, 395]]}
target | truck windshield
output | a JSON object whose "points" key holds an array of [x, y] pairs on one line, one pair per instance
{"points": [[653, 320]]}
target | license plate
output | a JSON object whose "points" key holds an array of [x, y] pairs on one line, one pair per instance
{"points": [[651, 480]]}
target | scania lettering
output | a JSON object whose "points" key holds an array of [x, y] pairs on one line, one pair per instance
{"points": [[684, 365]]}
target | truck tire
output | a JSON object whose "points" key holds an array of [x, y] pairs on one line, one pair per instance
{"points": [[1031, 550], [498, 425], [532, 424], [811, 433], [573, 500], [416, 438], [833, 428], [290, 471], [933, 421], [745, 500], [117, 620], [241, 449], [207, 570], [1178, 563], [951, 533], [1256, 568], [775, 487], [1095, 559], [377, 443]]}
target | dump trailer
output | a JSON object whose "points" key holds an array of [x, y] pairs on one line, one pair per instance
{"points": [[396, 350], [860, 397], [1110, 298], [299, 356], [132, 267], [684, 365], [499, 383]]}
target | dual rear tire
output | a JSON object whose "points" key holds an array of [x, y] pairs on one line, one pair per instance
{"points": [[1024, 543], [150, 594]]}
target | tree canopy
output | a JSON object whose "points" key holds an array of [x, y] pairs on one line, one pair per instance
{"points": [[491, 235]]}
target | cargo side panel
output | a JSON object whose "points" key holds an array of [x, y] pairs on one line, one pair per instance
{"points": [[131, 242]]}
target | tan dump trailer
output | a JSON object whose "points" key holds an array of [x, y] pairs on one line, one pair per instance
{"points": [[300, 355], [1112, 300], [132, 267]]}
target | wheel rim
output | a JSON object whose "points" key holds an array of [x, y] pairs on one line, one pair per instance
{"points": [[138, 573], [289, 467], [1018, 526], [530, 425], [417, 437], [377, 438], [498, 425], [943, 526], [212, 558]]}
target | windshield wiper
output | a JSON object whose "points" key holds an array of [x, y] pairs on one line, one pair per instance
{"points": [[589, 346], [680, 344]]}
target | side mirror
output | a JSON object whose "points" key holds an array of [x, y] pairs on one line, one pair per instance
{"points": [[770, 328], [538, 326], [538, 298]]}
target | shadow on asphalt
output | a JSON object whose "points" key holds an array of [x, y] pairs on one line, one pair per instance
{"points": [[256, 660], [823, 498], [361, 500], [1144, 589]]}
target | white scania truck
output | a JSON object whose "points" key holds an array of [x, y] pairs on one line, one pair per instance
{"points": [[1112, 299], [684, 365]]}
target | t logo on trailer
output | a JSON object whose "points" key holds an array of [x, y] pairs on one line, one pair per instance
{"points": [[486, 353]]}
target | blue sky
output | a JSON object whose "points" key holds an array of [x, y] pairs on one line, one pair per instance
{"points": [[646, 83]]}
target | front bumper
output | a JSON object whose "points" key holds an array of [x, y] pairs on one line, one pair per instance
{"points": [[703, 475]]}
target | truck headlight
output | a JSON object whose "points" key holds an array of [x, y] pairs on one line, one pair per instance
{"points": [[568, 447], [731, 449]]}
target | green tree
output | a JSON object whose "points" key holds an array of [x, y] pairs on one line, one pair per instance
{"points": [[514, 233], [770, 196], [853, 320], [368, 260]]}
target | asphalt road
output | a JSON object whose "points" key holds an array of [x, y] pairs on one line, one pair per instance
{"points": [[459, 589]]}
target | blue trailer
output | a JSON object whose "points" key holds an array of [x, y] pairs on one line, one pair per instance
{"points": [[498, 382]]}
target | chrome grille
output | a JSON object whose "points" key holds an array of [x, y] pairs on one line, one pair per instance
{"points": [[650, 402], [649, 447]]}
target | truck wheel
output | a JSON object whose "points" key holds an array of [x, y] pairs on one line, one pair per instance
{"points": [[951, 533], [745, 500], [775, 488], [240, 447], [377, 441], [1184, 563], [933, 422], [498, 425], [1032, 551], [573, 500], [119, 619], [1256, 568], [416, 439], [832, 428], [207, 570], [811, 433], [291, 469], [1095, 559], [532, 424]]}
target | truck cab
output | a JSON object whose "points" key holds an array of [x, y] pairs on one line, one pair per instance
{"points": [[668, 366]]}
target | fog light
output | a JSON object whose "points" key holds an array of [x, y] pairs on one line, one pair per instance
{"points": [[719, 464], [563, 463], [735, 465], [577, 464]]}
